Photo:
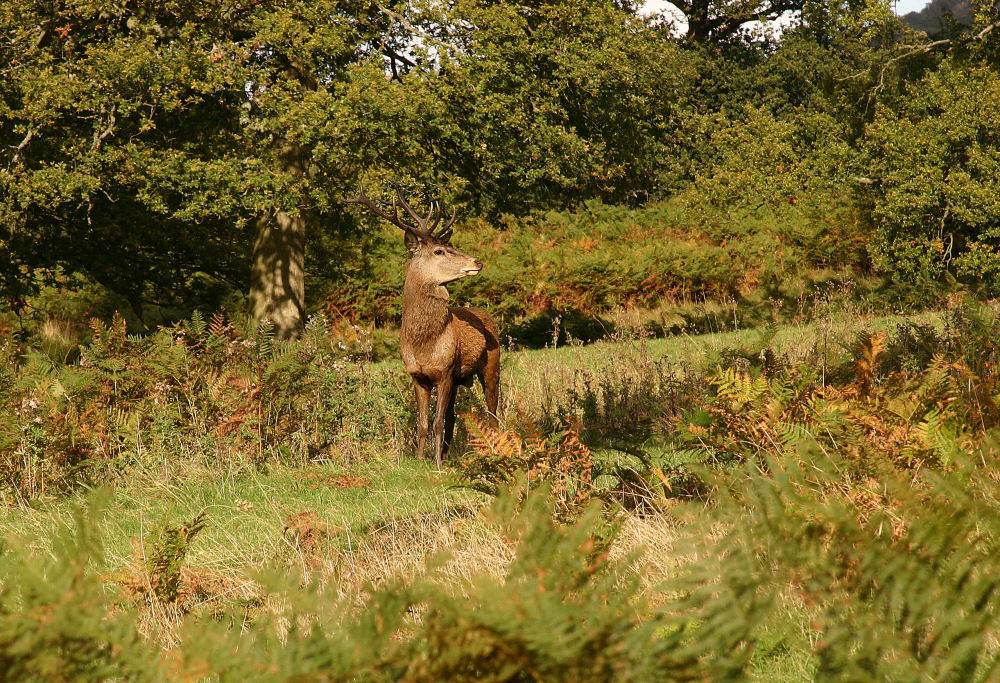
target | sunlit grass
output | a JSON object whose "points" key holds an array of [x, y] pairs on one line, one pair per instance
{"points": [[388, 513]]}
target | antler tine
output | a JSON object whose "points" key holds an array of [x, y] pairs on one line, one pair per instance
{"points": [[446, 232], [438, 215], [366, 202], [430, 215], [422, 230], [393, 217]]}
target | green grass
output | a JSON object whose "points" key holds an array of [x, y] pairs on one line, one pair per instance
{"points": [[388, 514], [529, 375], [246, 511]]}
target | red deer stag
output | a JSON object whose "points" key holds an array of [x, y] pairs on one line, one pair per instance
{"points": [[442, 346]]}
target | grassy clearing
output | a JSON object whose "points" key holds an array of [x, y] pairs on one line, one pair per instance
{"points": [[247, 509], [698, 350], [696, 434]]}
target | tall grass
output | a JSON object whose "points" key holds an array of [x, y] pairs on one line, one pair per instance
{"points": [[789, 503]]}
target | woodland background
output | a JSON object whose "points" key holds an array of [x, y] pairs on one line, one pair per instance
{"points": [[161, 158]]}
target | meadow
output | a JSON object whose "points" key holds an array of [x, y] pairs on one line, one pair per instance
{"points": [[787, 503]]}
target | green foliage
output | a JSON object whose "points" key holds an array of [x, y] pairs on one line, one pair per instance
{"points": [[142, 144], [890, 576], [226, 397], [166, 556], [561, 101], [897, 575], [55, 622], [171, 132], [853, 521], [679, 256], [525, 622], [531, 618], [934, 163], [801, 155], [865, 513]]}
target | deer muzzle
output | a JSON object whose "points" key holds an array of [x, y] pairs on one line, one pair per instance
{"points": [[477, 266]]}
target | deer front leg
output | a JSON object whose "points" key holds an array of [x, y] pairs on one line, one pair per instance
{"points": [[423, 415], [445, 398]]}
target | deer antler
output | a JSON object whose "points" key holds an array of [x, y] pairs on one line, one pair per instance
{"points": [[393, 217], [446, 232], [428, 224], [422, 227]]}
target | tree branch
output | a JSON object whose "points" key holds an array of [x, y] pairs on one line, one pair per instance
{"points": [[773, 11], [395, 57], [413, 28], [925, 48], [20, 148], [102, 136]]}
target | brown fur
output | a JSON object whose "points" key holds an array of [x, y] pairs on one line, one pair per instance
{"points": [[443, 347]]}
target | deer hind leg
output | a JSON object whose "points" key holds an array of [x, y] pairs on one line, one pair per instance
{"points": [[449, 419], [490, 379], [446, 401], [423, 394]]}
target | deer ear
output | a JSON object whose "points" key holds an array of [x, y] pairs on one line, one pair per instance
{"points": [[411, 241]]}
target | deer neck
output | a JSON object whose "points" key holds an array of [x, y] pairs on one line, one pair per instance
{"points": [[425, 310]]}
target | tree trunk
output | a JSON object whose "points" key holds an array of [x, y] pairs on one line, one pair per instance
{"points": [[699, 23], [277, 277], [277, 280]]}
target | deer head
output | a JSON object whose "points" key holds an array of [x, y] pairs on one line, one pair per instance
{"points": [[432, 257]]}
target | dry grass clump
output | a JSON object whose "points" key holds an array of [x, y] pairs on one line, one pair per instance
{"points": [[455, 543], [203, 593]]}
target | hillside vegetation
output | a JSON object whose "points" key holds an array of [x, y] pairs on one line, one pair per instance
{"points": [[756, 503], [670, 265]]}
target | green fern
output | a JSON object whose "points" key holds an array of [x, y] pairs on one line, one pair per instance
{"points": [[197, 326], [166, 557]]}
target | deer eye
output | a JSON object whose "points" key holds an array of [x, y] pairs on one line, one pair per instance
{"points": [[439, 252]]}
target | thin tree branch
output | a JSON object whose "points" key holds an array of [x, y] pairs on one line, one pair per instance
{"points": [[99, 138], [925, 48], [413, 28], [20, 147]]}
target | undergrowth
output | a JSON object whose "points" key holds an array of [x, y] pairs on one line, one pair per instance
{"points": [[919, 397], [840, 503], [683, 265], [200, 394]]}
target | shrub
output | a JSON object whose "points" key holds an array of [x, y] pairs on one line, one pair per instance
{"points": [[917, 397], [933, 163], [223, 396], [894, 577]]}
